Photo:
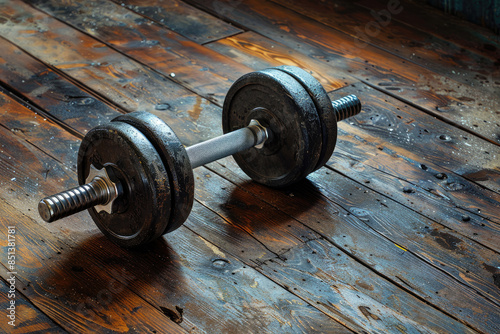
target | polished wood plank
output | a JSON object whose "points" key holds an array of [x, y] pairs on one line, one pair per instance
{"points": [[76, 300], [182, 18], [274, 238], [193, 66], [28, 318], [385, 32], [397, 233], [405, 134], [474, 110], [277, 243], [431, 20]]}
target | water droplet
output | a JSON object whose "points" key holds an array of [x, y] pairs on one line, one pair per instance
{"points": [[441, 176], [162, 106], [220, 263], [444, 137], [408, 190]]}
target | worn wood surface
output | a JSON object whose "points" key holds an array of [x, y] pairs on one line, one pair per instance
{"points": [[398, 233], [441, 96]]}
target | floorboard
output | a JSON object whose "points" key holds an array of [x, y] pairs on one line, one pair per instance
{"points": [[447, 27], [439, 96], [399, 39], [29, 319], [398, 233], [186, 20]]}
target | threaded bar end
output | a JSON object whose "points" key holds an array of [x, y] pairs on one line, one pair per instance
{"points": [[71, 201], [346, 107]]}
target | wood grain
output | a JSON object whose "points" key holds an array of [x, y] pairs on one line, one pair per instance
{"points": [[448, 27], [259, 53], [385, 32], [88, 300], [96, 246], [227, 291], [186, 20], [17, 61], [354, 231], [439, 96], [193, 66], [115, 77], [250, 240], [29, 319], [377, 241], [406, 166]]}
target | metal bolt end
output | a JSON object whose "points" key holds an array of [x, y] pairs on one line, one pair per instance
{"points": [[260, 132], [109, 187], [99, 191], [346, 107]]}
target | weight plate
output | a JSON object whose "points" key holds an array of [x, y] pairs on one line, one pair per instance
{"points": [[141, 212], [175, 159], [324, 108], [282, 105]]}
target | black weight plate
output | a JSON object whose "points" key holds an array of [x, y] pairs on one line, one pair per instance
{"points": [[281, 104], [323, 106], [144, 207], [175, 159]]}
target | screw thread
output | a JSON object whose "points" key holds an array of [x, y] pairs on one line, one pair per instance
{"points": [[346, 107], [74, 200]]}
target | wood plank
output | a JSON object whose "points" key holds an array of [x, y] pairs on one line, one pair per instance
{"points": [[186, 20], [28, 318], [425, 198], [75, 299], [215, 290], [386, 33], [24, 184], [242, 48], [438, 217], [420, 138], [78, 300], [121, 84], [444, 98], [347, 227], [368, 206], [243, 240], [264, 235], [347, 232], [193, 66], [258, 52], [433, 21], [206, 296], [29, 81], [343, 307]]}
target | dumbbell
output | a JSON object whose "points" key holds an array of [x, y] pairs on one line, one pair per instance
{"points": [[136, 178]]}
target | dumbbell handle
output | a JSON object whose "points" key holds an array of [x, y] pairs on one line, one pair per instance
{"points": [[95, 193], [231, 143], [255, 135]]}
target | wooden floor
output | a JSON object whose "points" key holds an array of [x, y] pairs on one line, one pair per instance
{"points": [[399, 233]]}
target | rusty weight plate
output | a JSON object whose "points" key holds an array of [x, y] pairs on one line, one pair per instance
{"points": [[175, 159], [280, 103], [141, 213], [324, 108]]}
